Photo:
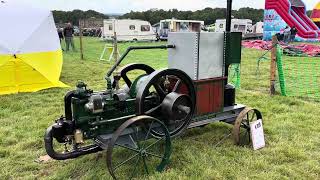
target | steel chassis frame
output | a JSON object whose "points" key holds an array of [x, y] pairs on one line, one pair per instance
{"points": [[228, 115]]}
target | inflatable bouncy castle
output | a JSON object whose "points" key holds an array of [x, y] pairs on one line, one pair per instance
{"points": [[315, 16], [281, 13]]}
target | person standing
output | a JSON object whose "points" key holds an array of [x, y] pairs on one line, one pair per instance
{"points": [[286, 33], [68, 36], [293, 33], [60, 34]]}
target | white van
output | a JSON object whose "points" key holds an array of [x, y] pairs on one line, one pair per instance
{"points": [[237, 25], [128, 30]]}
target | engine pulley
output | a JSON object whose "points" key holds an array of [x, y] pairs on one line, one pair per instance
{"points": [[176, 97], [176, 106]]}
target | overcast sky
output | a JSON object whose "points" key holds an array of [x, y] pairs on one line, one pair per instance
{"points": [[123, 6]]}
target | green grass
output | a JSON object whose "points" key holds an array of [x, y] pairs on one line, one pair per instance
{"points": [[291, 128]]}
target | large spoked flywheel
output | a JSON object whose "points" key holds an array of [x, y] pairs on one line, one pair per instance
{"points": [[168, 95]]}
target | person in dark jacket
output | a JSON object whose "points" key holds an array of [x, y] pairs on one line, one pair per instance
{"points": [[60, 34], [293, 33], [68, 36], [286, 33]]}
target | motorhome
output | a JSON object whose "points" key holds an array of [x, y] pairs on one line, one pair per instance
{"points": [[176, 25], [128, 30], [237, 25]]}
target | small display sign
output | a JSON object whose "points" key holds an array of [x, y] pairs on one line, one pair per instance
{"points": [[257, 134]]}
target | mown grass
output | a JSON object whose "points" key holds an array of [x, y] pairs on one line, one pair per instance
{"points": [[291, 127]]}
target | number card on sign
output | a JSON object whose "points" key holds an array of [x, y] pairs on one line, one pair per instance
{"points": [[257, 134]]}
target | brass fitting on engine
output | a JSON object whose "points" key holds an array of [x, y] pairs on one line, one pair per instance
{"points": [[78, 137]]}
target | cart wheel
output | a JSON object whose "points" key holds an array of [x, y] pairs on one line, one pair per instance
{"points": [[241, 128], [133, 152]]}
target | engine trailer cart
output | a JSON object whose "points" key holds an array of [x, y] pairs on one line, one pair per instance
{"points": [[135, 123]]}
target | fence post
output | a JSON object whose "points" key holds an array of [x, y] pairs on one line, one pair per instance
{"points": [[80, 36], [115, 47], [273, 65]]}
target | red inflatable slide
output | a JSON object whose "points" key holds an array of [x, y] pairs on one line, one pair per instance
{"points": [[293, 12]]}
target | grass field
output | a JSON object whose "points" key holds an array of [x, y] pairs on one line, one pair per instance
{"points": [[291, 127]]}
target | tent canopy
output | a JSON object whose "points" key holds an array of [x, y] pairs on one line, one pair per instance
{"points": [[30, 52]]}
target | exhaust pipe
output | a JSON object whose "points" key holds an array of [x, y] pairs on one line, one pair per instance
{"points": [[67, 104], [228, 30], [229, 16], [48, 141]]}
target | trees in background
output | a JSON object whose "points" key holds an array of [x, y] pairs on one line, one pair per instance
{"points": [[309, 13], [75, 15], [208, 15]]}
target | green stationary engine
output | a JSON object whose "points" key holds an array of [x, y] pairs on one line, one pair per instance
{"points": [[92, 115], [135, 123], [96, 113]]}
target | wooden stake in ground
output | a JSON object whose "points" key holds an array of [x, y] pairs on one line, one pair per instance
{"points": [[273, 65], [80, 35], [115, 47]]}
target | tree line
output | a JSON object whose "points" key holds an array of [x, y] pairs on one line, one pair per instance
{"points": [[75, 15], [208, 15]]}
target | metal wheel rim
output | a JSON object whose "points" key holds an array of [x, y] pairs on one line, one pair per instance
{"points": [[116, 135], [244, 120]]}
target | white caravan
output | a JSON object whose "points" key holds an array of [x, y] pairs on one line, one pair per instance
{"points": [[237, 25], [257, 28], [176, 25], [128, 30]]}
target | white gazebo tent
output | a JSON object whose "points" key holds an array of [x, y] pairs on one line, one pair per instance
{"points": [[30, 52]]}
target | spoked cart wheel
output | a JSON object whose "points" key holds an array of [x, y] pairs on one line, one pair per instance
{"points": [[133, 152], [241, 128], [176, 96]]}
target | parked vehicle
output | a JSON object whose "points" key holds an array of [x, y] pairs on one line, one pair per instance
{"points": [[76, 30], [156, 27], [257, 28], [255, 32], [211, 27], [176, 25], [128, 30], [244, 26], [237, 25]]}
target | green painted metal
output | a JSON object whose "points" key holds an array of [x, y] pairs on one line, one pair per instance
{"points": [[115, 113], [134, 87], [233, 48]]}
